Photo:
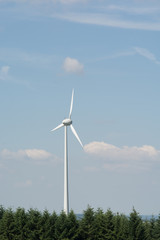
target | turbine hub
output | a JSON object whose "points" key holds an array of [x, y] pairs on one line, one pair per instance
{"points": [[67, 121]]}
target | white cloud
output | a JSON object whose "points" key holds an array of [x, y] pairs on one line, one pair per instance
{"points": [[72, 65], [134, 10], [110, 20], [5, 74], [142, 15], [35, 155], [106, 150], [134, 51], [4, 71], [147, 54], [121, 158]]}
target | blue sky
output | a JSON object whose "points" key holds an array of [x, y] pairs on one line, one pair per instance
{"points": [[108, 51]]}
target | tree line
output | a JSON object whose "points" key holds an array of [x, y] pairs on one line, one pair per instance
{"points": [[93, 225]]}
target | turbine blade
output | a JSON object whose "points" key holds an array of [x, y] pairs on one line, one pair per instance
{"points": [[76, 135], [71, 104], [59, 126]]}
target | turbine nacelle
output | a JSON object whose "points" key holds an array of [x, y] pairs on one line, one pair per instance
{"points": [[67, 122]]}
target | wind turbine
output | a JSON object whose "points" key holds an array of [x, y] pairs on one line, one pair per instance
{"points": [[66, 123]]}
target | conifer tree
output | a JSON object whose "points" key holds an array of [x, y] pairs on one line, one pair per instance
{"points": [[7, 226], [53, 219], [86, 229], [2, 210], [110, 235], [20, 218], [150, 228], [73, 225], [121, 226], [47, 226], [136, 227], [34, 226], [61, 227], [156, 232], [100, 225]]}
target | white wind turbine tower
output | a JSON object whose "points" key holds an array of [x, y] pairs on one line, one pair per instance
{"points": [[65, 123]]}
